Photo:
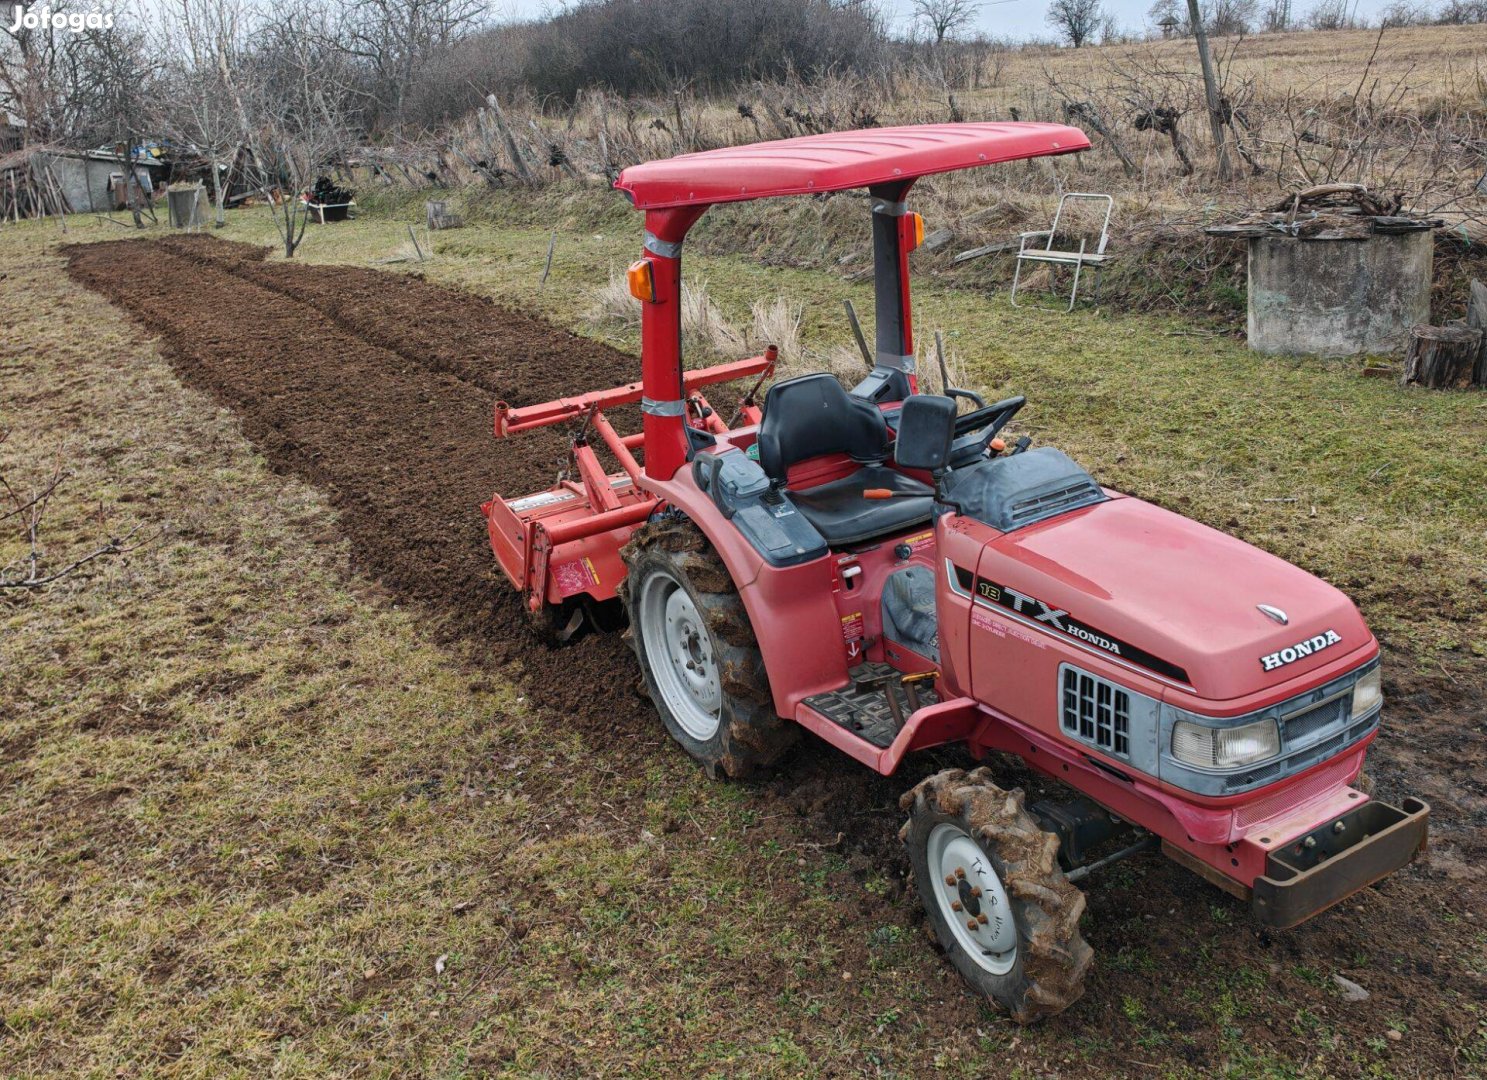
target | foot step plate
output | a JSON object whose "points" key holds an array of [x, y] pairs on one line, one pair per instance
{"points": [[865, 712]]}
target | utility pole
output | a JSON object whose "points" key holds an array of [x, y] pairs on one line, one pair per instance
{"points": [[1211, 91]]}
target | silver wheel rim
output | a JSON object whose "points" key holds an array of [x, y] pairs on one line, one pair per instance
{"points": [[972, 899], [679, 652]]}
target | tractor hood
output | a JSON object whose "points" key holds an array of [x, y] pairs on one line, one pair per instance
{"points": [[1173, 597]]}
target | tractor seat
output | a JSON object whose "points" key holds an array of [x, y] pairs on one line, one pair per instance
{"points": [[810, 416]]}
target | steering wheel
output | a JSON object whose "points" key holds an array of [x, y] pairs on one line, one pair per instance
{"points": [[975, 430]]}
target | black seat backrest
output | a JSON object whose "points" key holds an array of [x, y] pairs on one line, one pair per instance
{"points": [[812, 415]]}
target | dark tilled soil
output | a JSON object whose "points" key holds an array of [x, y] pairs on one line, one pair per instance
{"points": [[378, 389], [403, 445]]}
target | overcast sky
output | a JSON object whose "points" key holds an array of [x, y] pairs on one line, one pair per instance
{"points": [[1017, 20]]}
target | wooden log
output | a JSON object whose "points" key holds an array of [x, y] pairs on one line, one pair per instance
{"points": [[984, 249], [937, 239], [1319, 191], [1083, 110], [1476, 319], [517, 163], [1442, 357]]}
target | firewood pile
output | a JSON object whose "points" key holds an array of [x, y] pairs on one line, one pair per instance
{"points": [[1329, 212], [28, 187]]}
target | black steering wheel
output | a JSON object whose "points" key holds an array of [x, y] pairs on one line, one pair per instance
{"points": [[975, 429]]}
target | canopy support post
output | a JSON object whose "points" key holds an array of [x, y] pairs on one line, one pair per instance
{"points": [[893, 376], [663, 405]]}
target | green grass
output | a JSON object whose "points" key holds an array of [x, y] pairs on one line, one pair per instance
{"points": [[248, 803]]}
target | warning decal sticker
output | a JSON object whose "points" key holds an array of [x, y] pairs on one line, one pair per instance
{"points": [[575, 577], [854, 629]]}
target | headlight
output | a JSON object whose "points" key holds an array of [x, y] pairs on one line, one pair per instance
{"points": [[1224, 748], [1368, 693]]}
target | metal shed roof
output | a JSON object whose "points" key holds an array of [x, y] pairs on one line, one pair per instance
{"points": [[812, 164]]}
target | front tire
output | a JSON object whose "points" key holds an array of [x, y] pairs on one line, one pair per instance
{"points": [[998, 903], [699, 659]]}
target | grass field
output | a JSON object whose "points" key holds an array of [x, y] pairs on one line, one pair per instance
{"points": [[261, 818], [1437, 65]]}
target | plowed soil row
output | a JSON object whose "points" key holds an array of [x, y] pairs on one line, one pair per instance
{"points": [[522, 359], [377, 388]]}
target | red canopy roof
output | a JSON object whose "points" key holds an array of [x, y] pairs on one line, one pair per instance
{"points": [[838, 160]]}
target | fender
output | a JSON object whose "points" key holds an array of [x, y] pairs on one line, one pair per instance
{"points": [[790, 608]]}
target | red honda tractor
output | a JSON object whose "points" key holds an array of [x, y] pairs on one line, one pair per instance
{"points": [[877, 566]]}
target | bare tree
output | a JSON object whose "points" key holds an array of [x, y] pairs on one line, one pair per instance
{"points": [[1463, 13], [1275, 17], [1076, 20], [945, 17], [1405, 13], [203, 104], [394, 41], [88, 85], [298, 113], [1229, 17], [1331, 15]]}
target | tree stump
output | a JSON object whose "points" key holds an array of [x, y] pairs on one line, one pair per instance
{"points": [[437, 216], [1476, 318], [1443, 357]]}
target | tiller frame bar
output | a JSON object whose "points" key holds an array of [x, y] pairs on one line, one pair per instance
{"points": [[565, 541]]}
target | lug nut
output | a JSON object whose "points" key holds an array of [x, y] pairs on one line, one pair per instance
{"points": [[955, 905], [960, 872], [982, 919], [972, 925], [950, 880], [976, 890]]}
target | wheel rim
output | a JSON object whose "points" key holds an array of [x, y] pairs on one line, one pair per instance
{"points": [[679, 651], [972, 900]]}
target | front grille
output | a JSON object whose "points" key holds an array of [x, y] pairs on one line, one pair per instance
{"points": [[1097, 712], [1253, 778], [1293, 796], [1084, 492], [1300, 728]]}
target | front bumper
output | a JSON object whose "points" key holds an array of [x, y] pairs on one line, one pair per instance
{"points": [[1317, 869]]}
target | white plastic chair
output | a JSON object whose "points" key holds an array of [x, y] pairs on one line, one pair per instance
{"points": [[1077, 259]]}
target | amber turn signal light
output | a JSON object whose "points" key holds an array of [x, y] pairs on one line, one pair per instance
{"points": [[913, 230], [642, 281]]}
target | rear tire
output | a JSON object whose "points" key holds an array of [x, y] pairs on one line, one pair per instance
{"points": [[699, 659], [979, 858]]}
